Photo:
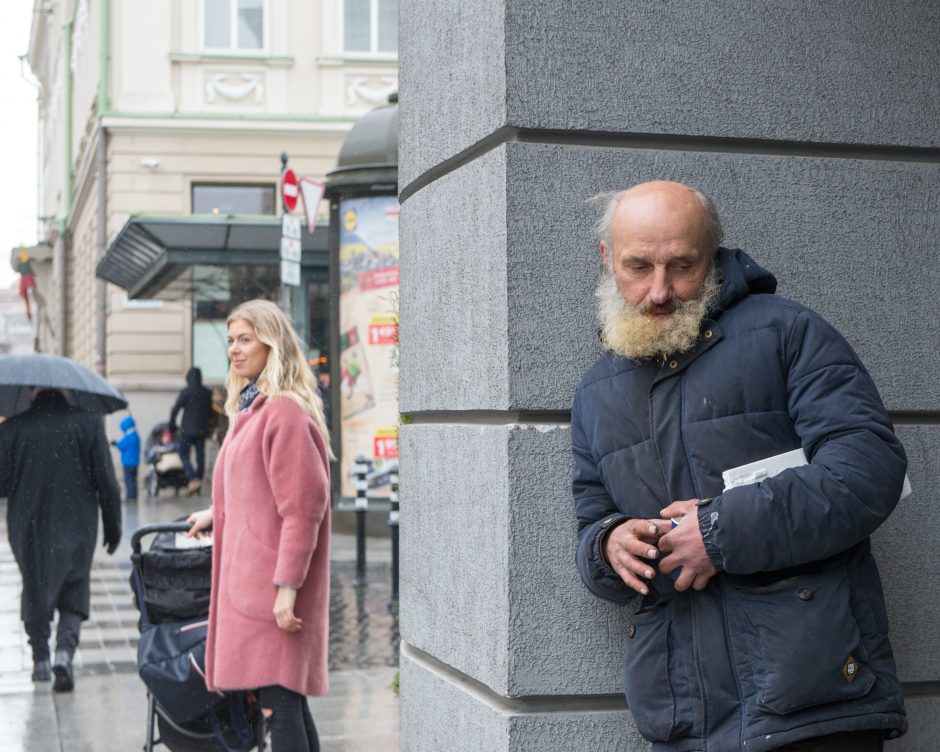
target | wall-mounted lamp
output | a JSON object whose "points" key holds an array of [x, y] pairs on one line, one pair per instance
{"points": [[151, 163]]}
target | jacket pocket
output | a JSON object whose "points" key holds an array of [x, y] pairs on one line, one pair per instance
{"points": [[249, 584], [802, 642], [654, 681]]}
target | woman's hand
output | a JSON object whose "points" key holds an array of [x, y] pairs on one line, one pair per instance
{"points": [[284, 610], [200, 521]]}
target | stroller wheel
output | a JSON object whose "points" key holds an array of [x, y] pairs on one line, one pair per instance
{"points": [[178, 741], [153, 485]]}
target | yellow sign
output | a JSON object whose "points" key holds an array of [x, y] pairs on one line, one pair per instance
{"points": [[349, 220]]}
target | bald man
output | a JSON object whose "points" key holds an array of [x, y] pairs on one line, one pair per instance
{"points": [[758, 621]]}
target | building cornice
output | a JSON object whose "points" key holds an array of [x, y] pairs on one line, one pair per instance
{"points": [[384, 61], [274, 61], [118, 121]]}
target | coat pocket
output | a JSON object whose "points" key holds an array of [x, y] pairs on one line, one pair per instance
{"points": [[249, 585], [654, 681], [802, 642]]}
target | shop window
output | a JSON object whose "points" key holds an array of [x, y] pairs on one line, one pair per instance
{"points": [[370, 26], [233, 24], [217, 290], [225, 199]]}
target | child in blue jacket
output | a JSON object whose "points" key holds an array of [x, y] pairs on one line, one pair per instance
{"points": [[129, 447]]}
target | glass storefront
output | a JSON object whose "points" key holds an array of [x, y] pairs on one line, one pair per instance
{"points": [[217, 290]]}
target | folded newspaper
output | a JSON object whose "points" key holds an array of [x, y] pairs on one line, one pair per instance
{"points": [[181, 540], [755, 472]]}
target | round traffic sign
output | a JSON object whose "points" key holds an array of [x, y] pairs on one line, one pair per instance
{"points": [[289, 190]]}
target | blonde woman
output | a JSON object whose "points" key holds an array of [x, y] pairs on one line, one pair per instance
{"points": [[270, 514]]}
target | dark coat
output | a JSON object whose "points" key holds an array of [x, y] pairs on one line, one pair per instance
{"points": [[789, 640], [56, 468], [196, 403]]}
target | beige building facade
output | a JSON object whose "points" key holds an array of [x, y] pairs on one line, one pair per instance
{"points": [[173, 110]]}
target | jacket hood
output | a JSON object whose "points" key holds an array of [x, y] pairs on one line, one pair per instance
{"points": [[742, 276], [127, 424], [194, 377]]}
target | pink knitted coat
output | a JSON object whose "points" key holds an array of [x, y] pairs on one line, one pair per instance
{"points": [[271, 526]]}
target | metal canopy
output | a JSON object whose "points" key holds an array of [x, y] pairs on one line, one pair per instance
{"points": [[153, 256], [368, 159]]}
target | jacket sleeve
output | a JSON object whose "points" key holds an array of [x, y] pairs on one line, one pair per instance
{"points": [[298, 474], [596, 513], [854, 478], [105, 481], [6, 462], [177, 406]]}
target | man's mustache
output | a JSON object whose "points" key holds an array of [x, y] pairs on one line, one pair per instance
{"points": [[650, 308]]}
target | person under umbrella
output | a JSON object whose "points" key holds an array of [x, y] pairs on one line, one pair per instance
{"points": [[56, 470], [21, 375]]}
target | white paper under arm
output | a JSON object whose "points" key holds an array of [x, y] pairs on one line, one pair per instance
{"points": [[755, 472]]}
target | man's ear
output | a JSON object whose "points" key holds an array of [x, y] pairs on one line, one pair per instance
{"points": [[605, 254]]}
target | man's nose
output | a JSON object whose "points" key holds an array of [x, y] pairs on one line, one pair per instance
{"points": [[661, 288]]}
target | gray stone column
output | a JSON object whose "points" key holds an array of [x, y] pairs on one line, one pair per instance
{"points": [[814, 126]]}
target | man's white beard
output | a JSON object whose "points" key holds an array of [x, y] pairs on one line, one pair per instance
{"points": [[634, 333]]}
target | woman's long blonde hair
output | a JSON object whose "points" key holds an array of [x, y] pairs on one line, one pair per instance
{"points": [[286, 373]]}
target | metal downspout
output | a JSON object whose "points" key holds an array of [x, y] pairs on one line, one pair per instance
{"points": [[69, 85], [104, 101], [101, 317], [64, 221]]}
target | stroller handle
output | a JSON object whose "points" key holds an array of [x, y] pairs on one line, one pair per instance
{"points": [[160, 527]]}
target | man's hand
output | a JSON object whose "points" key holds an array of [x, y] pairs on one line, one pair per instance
{"points": [[685, 547], [628, 545], [112, 539], [284, 610]]}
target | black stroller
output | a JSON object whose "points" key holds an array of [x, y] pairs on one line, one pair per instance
{"points": [[171, 582], [161, 452]]}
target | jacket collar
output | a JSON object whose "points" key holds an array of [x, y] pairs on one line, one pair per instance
{"points": [[741, 275], [241, 418]]}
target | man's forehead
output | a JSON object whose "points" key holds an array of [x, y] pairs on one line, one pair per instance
{"points": [[658, 215], [660, 199]]}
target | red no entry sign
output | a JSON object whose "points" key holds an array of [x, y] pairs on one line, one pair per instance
{"points": [[289, 190]]}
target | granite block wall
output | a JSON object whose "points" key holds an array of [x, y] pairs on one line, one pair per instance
{"points": [[814, 127]]}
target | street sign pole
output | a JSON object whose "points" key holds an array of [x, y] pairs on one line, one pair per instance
{"points": [[288, 267]]}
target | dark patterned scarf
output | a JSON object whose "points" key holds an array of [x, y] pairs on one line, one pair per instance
{"points": [[247, 395]]}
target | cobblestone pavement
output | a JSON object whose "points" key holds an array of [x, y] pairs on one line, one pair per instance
{"points": [[107, 710]]}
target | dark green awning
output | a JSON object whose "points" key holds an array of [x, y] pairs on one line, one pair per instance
{"points": [[152, 256]]}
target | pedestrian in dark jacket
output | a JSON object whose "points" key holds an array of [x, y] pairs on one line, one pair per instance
{"points": [[759, 618], [129, 447], [56, 469], [199, 419]]}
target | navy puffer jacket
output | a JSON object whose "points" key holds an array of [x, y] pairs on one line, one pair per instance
{"points": [[789, 640]]}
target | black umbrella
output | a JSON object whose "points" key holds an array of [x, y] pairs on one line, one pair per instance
{"points": [[83, 388]]}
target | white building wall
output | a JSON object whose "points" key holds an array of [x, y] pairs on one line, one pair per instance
{"points": [[193, 115]]}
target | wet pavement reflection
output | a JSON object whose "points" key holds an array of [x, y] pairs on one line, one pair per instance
{"points": [[363, 625], [107, 711]]}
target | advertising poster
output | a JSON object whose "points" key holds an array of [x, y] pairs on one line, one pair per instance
{"points": [[368, 321]]}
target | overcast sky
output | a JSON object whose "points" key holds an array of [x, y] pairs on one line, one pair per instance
{"points": [[18, 143]]}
